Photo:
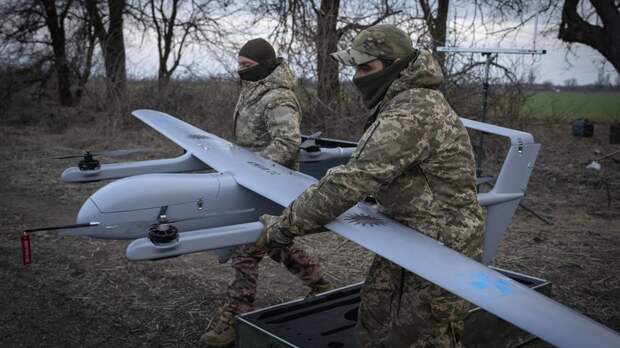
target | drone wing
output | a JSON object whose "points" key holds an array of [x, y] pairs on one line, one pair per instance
{"points": [[492, 291], [254, 172]]}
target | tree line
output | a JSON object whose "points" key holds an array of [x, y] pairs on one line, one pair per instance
{"points": [[68, 36]]}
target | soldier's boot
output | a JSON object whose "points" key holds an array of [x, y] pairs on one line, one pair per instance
{"points": [[321, 286], [221, 331]]}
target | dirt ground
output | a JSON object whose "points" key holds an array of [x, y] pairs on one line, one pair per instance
{"points": [[83, 292]]}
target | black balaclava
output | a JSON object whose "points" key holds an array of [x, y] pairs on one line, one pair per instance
{"points": [[260, 51], [374, 86]]}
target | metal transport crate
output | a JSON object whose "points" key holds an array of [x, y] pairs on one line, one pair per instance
{"points": [[328, 320]]}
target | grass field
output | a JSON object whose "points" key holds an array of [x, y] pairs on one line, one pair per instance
{"points": [[602, 107]]}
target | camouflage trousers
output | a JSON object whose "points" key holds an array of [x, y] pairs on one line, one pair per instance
{"points": [[245, 260], [400, 309]]}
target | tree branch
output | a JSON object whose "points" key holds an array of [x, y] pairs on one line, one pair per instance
{"points": [[356, 26], [606, 40]]}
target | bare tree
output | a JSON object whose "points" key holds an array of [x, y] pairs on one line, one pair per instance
{"points": [[313, 29], [595, 23], [437, 23], [82, 45], [179, 24], [55, 22], [605, 38], [570, 83], [603, 80], [111, 41], [531, 77], [326, 42], [36, 31]]}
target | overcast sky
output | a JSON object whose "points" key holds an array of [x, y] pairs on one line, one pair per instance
{"points": [[583, 63]]}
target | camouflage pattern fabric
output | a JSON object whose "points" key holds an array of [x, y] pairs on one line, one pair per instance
{"points": [[245, 260], [380, 41], [267, 117], [416, 160], [400, 309]]}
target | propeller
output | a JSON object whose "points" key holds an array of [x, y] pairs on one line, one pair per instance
{"points": [[162, 231], [108, 153], [310, 145]]}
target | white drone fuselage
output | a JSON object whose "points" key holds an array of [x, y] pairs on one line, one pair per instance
{"points": [[215, 198]]}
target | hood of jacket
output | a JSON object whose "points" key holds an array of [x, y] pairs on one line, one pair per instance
{"points": [[424, 72]]}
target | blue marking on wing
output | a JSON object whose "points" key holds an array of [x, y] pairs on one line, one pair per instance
{"points": [[481, 281], [503, 286]]}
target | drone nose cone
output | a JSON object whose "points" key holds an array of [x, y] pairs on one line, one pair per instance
{"points": [[88, 213]]}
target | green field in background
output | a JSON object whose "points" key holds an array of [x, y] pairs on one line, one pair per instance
{"points": [[572, 105]]}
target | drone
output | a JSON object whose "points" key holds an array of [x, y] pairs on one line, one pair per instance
{"points": [[211, 196]]}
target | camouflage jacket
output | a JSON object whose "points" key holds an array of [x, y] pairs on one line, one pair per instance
{"points": [[267, 117], [415, 158]]}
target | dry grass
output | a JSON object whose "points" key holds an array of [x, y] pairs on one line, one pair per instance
{"points": [[83, 292]]}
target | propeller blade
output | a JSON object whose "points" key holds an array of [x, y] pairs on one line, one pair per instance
{"points": [[310, 145], [108, 153], [68, 157], [121, 152], [315, 135], [66, 227], [124, 230]]}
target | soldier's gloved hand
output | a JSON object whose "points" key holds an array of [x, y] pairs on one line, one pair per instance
{"points": [[274, 234]]}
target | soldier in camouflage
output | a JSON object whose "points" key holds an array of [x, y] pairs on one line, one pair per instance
{"points": [[415, 159], [266, 120], [267, 115]]}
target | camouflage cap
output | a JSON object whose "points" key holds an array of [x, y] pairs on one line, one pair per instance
{"points": [[379, 41]]}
